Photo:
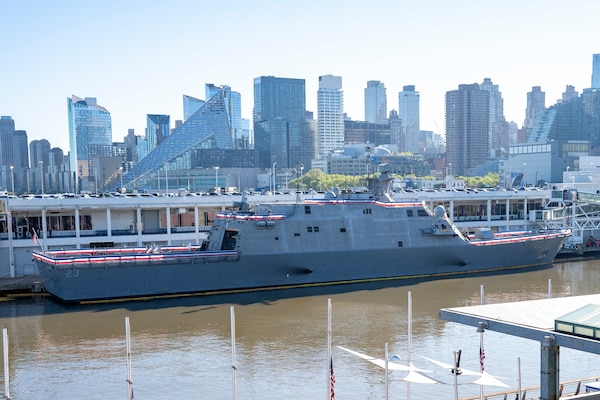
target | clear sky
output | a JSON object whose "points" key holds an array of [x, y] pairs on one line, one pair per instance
{"points": [[139, 57]]}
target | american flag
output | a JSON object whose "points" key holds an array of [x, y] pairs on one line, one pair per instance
{"points": [[34, 237], [332, 381], [481, 358]]}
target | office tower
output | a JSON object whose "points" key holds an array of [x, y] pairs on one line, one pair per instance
{"points": [[375, 103], [233, 102], [90, 135], [190, 106], [280, 133], [467, 122], [7, 130], [409, 114], [330, 114], [158, 127], [536, 104], [596, 71], [39, 162]]}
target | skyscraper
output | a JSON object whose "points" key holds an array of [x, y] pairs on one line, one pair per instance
{"points": [[233, 102], [330, 114], [7, 130], [467, 122], [409, 114], [536, 104], [90, 135], [280, 133], [596, 71], [375, 103], [190, 106], [158, 127], [498, 127]]}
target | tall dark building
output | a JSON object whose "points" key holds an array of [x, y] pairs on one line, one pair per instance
{"points": [[280, 133], [7, 130], [536, 104], [467, 129]]}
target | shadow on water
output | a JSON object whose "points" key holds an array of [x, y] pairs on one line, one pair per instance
{"points": [[45, 305]]}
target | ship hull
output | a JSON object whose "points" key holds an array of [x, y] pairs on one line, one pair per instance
{"points": [[197, 275]]}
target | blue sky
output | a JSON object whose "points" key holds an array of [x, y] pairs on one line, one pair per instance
{"points": [[140, 57]]}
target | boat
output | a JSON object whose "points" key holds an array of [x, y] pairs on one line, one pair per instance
{"points": [[342, 237]]}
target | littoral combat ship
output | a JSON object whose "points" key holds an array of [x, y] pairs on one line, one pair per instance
{"points": [[341, 238]]}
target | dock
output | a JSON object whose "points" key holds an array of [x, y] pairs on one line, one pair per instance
{"points": [[24, 285]]}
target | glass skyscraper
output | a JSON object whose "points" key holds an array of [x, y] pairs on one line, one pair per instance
{"points": [[375, 103], [330, 114], [90, 135], [182, 153], [596, 71], [409, 104], [190, 106], [280, 132], [158, 127]]}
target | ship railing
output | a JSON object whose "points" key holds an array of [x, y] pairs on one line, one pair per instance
{"points": [[518, 239], [567, 389]]}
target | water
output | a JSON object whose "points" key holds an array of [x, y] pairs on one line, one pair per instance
{"points": [[181, 348]]}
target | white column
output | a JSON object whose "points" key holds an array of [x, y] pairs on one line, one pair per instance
{"points": [[489, 213], [139, 225], [196, 224], [168, 211], [108, 223], [507, 214], [77, 228], [525, 212], [451, 210], [44, 226]]}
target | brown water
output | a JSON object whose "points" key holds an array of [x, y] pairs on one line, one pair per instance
{"points": [[181, 348]]}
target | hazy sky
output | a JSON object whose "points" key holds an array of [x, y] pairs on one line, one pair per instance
{"points": [[140, 57]]}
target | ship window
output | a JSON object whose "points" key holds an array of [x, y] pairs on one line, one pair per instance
{"points": [[400, 244], [306, 209], [316, 228], [276, 237], [296, 234], [367, 211], [409, 213], [309, 228], [342, 229], [422, 213]]}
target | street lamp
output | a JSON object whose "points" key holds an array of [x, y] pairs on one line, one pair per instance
{"points": [[121, 171], [12, 175], [274, 187], [42, 176]]}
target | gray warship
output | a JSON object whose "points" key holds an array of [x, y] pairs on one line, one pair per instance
{"points": [[341, 237]]}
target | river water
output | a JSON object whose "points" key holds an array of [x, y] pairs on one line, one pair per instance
{"points": [[181, 348]]}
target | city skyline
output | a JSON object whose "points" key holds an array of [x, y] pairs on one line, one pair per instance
{"points": [[134, 68]]}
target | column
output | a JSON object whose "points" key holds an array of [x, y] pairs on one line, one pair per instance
{"points": [[549, 369], [507, 214], [489, 213], [44, 234], [168, 211], [196, 225], [139, 225], [451, 211], [77, 227], [525, 216], [108, 223]]}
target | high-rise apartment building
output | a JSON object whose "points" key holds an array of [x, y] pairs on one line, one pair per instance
{"points": [[596, 71], [375, 103], [409, 114], [90, 135], [498, 127], [158, 127], [280, 133], [570, 93], [330, 114], [536, 104], [467, 123]]}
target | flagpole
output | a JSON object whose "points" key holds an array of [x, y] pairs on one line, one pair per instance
{"points": [[128, 347], [5, 351], [329, 360], [386, 374], [519, 380], [481, 350], [409, 357], [233, 360]]}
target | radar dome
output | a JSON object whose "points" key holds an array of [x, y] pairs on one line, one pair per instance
{"points": [[439, 211]]}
